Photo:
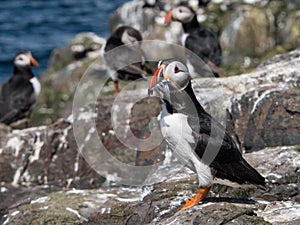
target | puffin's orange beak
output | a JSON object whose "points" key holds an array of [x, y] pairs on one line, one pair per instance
{"points": [[34, 62], [169, 17], [155, 77]]}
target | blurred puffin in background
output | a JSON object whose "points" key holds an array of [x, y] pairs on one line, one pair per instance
{"points": [[127, 62], [157, 4], [199, 40], [194, 136], [20, 93]]}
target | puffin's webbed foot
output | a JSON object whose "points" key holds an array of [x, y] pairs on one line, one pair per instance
{"points": [[201, 195]]}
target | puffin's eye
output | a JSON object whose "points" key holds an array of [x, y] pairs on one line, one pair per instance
{"points": [[176, 69], [21, 58], [180, 10]]}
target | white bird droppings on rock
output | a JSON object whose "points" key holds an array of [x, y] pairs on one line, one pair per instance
{"points": [[77, 214], [40, 200], [16, 144]]}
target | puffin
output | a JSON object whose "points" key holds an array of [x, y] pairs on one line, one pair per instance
{"points": [[195, 137], [20, 93], [155, 4], [199, 40], [119, 60], [80, 51], [203, 3]]}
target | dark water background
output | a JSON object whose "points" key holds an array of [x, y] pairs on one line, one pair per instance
{"points": [[42, 25]]}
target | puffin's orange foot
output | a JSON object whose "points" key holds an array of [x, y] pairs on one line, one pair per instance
{"points": [[201, 195], [116, 85]]}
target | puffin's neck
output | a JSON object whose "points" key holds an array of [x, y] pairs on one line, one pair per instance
{"points": [[184, 102], [189, 90], [112, 43], [190, 26], [26, 72], [170, 109]]}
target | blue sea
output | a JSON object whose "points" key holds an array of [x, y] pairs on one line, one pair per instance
{"points": [[41, 26]]}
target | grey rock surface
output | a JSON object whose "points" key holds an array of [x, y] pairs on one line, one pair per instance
{"points": [[49, 182], [157, 204]]}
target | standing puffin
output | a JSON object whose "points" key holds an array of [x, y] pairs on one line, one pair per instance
{"points": [[195, 137], [199, 40], [119, 60], [20, 93]]}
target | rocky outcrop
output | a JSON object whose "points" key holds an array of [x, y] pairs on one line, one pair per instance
{"points": [[55, 174], [49, 181], [157, 204], [289, 34], [66, 67], [48, 158], [247, 34], [69, 63], [262, 104]]}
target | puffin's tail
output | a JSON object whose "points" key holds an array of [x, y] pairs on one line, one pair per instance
{"points": [[248, 173], [241, 172]]}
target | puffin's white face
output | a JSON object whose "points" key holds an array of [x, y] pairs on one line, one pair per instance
{"points": [[22, 60], [25, 60], [182, 14], [177, 73], [171, 72], [128, 39]]}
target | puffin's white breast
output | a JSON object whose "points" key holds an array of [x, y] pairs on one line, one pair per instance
{"points": [[36, 86], [179, 136]]}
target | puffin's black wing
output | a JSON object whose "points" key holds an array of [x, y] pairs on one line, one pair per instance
{"points": [[228, 163], [17, 99], [128, 61], [205, 44]]}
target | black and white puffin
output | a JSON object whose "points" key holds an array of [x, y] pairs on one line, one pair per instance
{"points": [[156, 4], [198, 39], [194, 136], [203, 3], [20, 93], [119, 60]]}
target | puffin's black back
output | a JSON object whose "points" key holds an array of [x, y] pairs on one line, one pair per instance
{"points": [[123, 57], [114, 39], [205, 44]]}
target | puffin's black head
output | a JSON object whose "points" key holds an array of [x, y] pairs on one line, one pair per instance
{"points": [[171, 72], [24, 60], [182, 14], [128, 35]]}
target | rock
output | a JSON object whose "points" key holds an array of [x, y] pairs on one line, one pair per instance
{"points": [[54, 174], [257, 101], [263, 108], [289, 31], [68, 63], [278, 115], [45, 156], [48, 155], [45, 160], [60, 80], [247, 34], [157, 204], [133, 13], [65, 55]]}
